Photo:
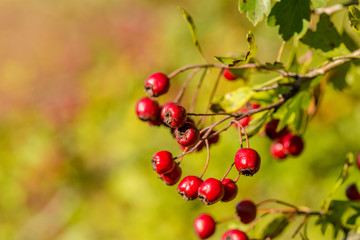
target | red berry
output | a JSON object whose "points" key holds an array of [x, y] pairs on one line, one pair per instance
{"points": [[358, 161], [188, 187], [147, 109], [230, 189], [211, 191], [244, 121], [293, 144], [229, 75], [234, 234], [172, 177], [246, 210], [352, 192], [214, 139], [173, 115], [270, 130], [247, 161], [204, 226], [163, 162], [187, 135], [156, 84], [254, 105], [277, 150]]}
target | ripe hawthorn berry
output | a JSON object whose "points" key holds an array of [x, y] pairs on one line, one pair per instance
{"points": [[244, 121], [173, 115], [187, 135], [156, 84], [163, 162], [230, 190], [277, 150], [229, 75], [188, 187], [234, 234], [246, 210], [358, 161], [247, 161], [204, 226], [352, 192], [147, 109], [293, 144], [211, 191], [172, 177], [270, 130]]}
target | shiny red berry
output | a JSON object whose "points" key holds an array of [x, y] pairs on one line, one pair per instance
{"points": [[293, 144], [147, 109], [247, 161], [270, 130], [204, 226], [234, 234], [173, 115], [188, 187], [230, 189], [244, 121], [229, 75], [211, 191], [246, 210], [277, 150], [156, 84], [172, 177], [187, 135], [163, 162], [352, 192]]}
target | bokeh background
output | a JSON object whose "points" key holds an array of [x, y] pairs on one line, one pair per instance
{"points": [[75, 160]]}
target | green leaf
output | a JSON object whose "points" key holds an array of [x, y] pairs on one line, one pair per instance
{"points": [[192, 28], [318, 3], [292, 113], [289, 15], [349, 42], [275, 227], [255, 9], [352, 219], [274, 66], [232, 61], [326, 37], [354, 17], [257, 123], [337, 77], [232, 101]]}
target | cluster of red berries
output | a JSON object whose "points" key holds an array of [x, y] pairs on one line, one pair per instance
{"points": [[209, 191], [285, 143], [205, 225]]}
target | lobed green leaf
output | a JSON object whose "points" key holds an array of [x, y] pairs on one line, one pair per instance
{"points": [[289, 15], [232, 101], [275, 227], [325, 38]]}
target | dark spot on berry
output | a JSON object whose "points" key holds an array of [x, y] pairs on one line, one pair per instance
{"points": [[247, 172]]}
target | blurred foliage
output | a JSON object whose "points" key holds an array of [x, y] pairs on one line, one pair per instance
{"points": [[75, 160]]}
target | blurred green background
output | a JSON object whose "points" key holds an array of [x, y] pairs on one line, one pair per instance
{"points": [[74, 158]]}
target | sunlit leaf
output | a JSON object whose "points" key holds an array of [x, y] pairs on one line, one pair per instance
{"points": [[255, 9], [318, 3], [257, 123], [233, 101]]}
